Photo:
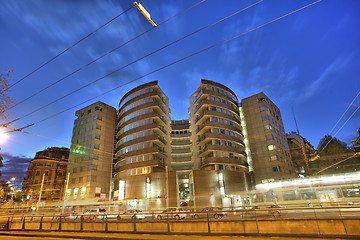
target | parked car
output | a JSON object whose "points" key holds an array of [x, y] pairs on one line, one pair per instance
{"points": [[95, 213], [215, 212], [133, 213], [276, 210], [72, 215], [173, 213]]}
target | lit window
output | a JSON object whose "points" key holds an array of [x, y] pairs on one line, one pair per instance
{"points": [[271, 147]]}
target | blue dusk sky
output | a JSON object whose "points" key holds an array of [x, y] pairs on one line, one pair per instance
{"points": [[307, 63]]}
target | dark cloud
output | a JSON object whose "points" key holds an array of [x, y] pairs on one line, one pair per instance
{"points": [[14, 166]]}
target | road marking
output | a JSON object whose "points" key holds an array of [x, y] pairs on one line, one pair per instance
{"points": [[275, 237]]}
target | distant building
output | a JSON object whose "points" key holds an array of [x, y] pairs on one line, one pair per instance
{"points": [[270, 156], [48, 168], [91, 154], [296, 152], [356, 143]]}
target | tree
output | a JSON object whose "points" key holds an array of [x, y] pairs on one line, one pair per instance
{"points": [[5, 100], [335, 157]]}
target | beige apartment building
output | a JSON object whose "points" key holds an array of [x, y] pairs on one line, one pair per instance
{"points": [[192, 163], [91, 154], [267, 143], [46, 171]]}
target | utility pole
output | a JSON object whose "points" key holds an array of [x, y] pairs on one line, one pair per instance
{"points": [[41, 188], [302, 147], [66, 184]]}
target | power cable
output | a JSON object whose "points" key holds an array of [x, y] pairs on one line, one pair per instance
{"points": [[67, 49], [95, 60], [339, 130], [177, 61], [147, 55]]}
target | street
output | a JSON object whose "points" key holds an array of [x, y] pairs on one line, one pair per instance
{"points": [[20, 235]]}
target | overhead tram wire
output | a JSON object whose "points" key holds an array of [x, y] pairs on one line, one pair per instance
{"points": [[95, 60], [177, 61], [67, 49], [339, 121], [147, 55]]}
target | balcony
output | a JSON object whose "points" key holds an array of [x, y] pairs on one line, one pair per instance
{"points": [[213, 147], [223, 160]]}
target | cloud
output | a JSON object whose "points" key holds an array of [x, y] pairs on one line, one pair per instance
{"points": [[14, 166], [334, 67]]}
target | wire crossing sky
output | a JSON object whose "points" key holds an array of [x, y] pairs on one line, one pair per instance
{"points": [[308, 61]]}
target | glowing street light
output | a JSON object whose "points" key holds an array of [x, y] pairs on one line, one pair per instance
{"points": [[13, 178], [145, 13], [3, 136]]}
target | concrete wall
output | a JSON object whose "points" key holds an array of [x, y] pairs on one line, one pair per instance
{"points": [[338, 226]]}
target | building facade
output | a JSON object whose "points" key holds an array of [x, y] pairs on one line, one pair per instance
{"points": [[220, 170], [47, 171], [270, 155], [195, 162], [142, 151], [89, 172], [301, 165]]}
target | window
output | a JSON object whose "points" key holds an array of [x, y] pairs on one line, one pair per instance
{"points": [[81, 179], [98, 109], [268, 127], [37, 173], [89, 111], [266, 117], [86, 138], [276, 169], [270, 137], [88, 178], [86, 129], [79, 141], [81, 123], [82, 168], [263, 108], [262, 99], [91, 156], [46, 173], [74, 170], [273, 158], [92, 146], [88, 120], [271, 147], [73, 180], [80, 131]]}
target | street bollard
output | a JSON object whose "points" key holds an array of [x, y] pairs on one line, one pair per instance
{"points": [[257, 222], [208, 222], [60, 222], [41, 221], [168, 224], [23, 224], [8, 224], [82, 223], [134, 222], [106, 223]]}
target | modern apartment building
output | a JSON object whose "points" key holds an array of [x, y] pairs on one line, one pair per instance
{"points": [[143, 148], [46, 171], [196, 162], [270, 155], [220, 169], [89, 172]]}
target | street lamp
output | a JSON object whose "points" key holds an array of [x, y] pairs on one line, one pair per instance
{"points": [[13, 178]]}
